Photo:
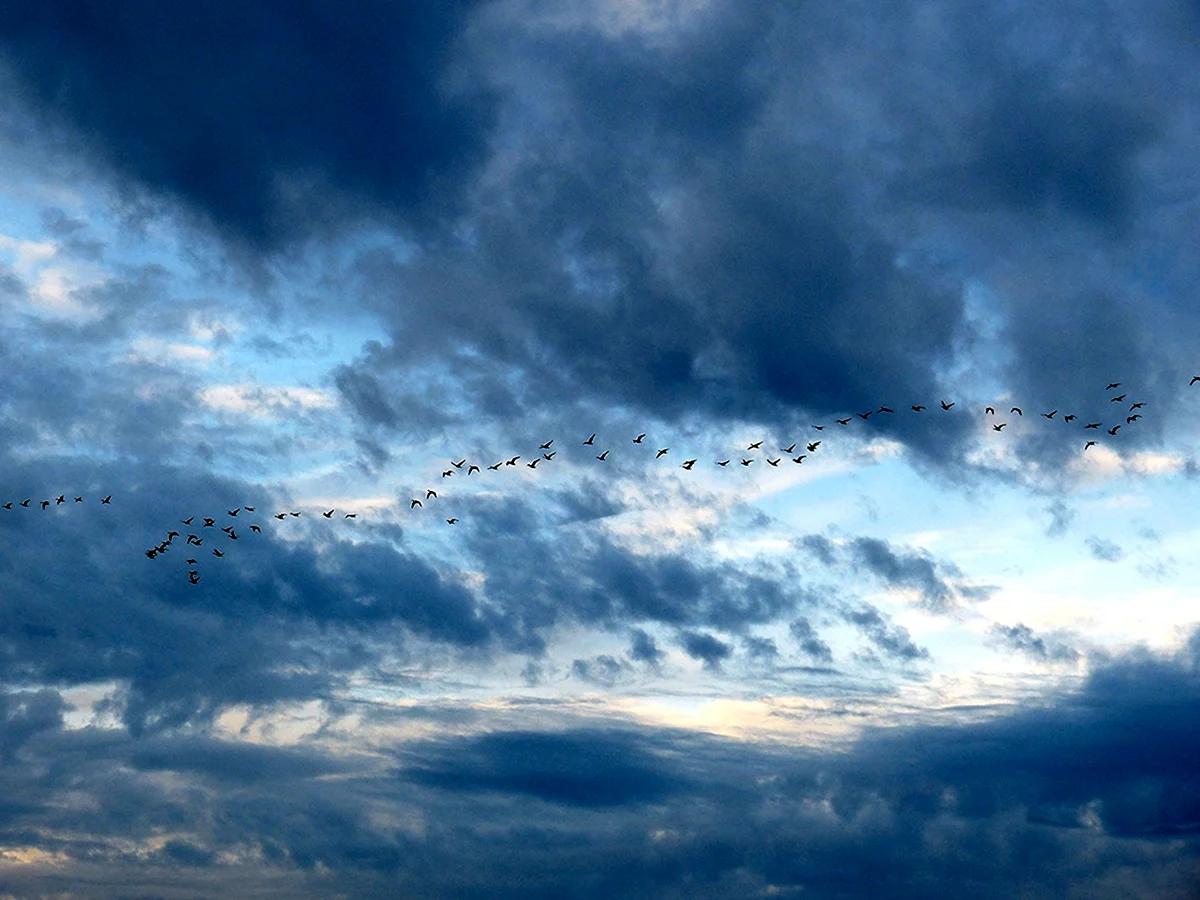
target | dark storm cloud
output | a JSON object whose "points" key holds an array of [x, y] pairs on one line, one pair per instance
{"points": [[259, 118]]}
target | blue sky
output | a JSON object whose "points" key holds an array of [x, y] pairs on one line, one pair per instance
{"points": [[306, 260]]}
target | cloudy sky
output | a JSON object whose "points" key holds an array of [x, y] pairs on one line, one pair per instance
{"points": [[294, 267]]}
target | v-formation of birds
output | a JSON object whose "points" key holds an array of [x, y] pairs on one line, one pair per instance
{"points": [[195, 538]]}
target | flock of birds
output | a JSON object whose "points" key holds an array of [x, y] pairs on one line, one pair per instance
{"points": [[196, 536]]}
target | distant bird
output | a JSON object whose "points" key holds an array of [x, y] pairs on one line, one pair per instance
{"points": [[533, 465], [194, 577], [232, 535], [746, 462], [999, 427], [813, 446], [1114, 429], [151, 553], [1117, 384], [946, 405], [864, 416], [800, 458], [171, 535], [885, 409], [916, 408], [549, 456], [603, 456], [1137, 406], [1092, 425], [791, 449], [473, 468], [459, 464], [546, 446], [755, 445], [687, 464], [451, 521], [78, 499], [234, 512], [448, 473], [513, 461], [1017, 410], [989, 411], [1049, 415], [294, 514], [1132, 418], [415, 503], [256, 529], [1089, 444], [842, 421], [190, 562], [188, 520], [1117, 399], [107, 499], [329, 514], [590, 440], [350, 516], [723, 462], [661, 453], [193, 539], [8, 505], [496, 466], [45, 503], [281, 516], [248, 508], [217, 552], [1070, 417], [772, 462], [61, 498], [228, 529], [638, 439], [1195, 378], [209, 523], [429, 492]]}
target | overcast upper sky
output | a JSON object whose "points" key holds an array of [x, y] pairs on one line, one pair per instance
{"points": [[896, 596]]}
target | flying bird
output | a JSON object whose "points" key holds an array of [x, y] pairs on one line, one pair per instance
{"points": [[1195, 378], [999, 427], [513, 461], [746, 462], [61, 498], [1117, 399], [217, 552], [800, 458], [248, 508], [459, 464], [1070, 417], [415, 503], [1114, 429], [256, 529], [723, 462], [590, 440], [772, 462], [194, 577], [209, 523], [916, 408], [429, 492], [1017, 410], [188, 520], [1137, 406], [451, 521], [8, 505], [946, 405], [1132, 418], [1089, 444], [329, 514], [989, 411], [1117, 384], [603, 456], [546, 446], [550, 455], [813, 446], [234, 512], [661, 453], [45, 503], [496, 466], [25, 502], [819, 427], [845, 421], [533, 465], [350, 516], [1049, 415], [473, 468], [755, 445], [78, 499], [448, 473], [638, 439], [791, 449], [885, 409], [687, 464], [864, 416], [107, 499], [281, 516], [1091, 425]]}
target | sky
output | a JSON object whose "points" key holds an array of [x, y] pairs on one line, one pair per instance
{"points": [[387, 293]]}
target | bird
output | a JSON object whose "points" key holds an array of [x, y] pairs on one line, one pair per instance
{"points": [[1091, 425], [1132, 418], [217, 552], [791, 449], [473, 468], [8, 505], [687, 464], [192, 539], [248, 508], [1114, 384], [885, 409], [999, 427], [755, 445], [448, 473], [746, 462], [1049, 415], [171, 535], [329, 514], [459, 464], [78, 499], [451, 521], [723, 462], [1089, 444], [429, 492], [281, 516], [819, 427], [546, 446], [45, 503], [190, 562], [1114, 429], [496, 466], [513, 461], [550, 455], [151, 553], [107, 499], [864, 416], [228, 529], [188, 520], [1195, 378], [946, 405], [533, 465], [590, 440], [813, 446], [1017, 410], [603, 456], [1138, 405], [209, 523], [1117, 399], [661, 453], [25, 502], [256, 529], [232, 535], [61, 498], [916, 408], [294, 514], [234, 512], [194, 577], [350, 516], [415, 503], [638, 439], [772, 462], [845, 421], [989, 411], [800, 458], [1070, 417]]}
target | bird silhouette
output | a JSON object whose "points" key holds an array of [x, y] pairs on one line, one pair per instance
{"points": [[45, 503], [248, 508], [234, 512], [188, 520], [845, 421], [1113, 384], [8, 505], [885, 409], [429, 492], [217, 553], [638, 439], [1091, 425], [819, 427], [989, 411], [1089, 444], [1070, 417], [25, 502], [1137, 406], [533, 465], [603, 456], [350, 516], [107, 499], [999, 427], [755, 445], [723, 462], [661, 453], [772, 462], [1132, 418], [687, 464], [1049, 415], [459, 464], [550, 455], [451, 521], [448, 473], [1195, 378], [496, 466], [1017, 410], [256, 529], [916, 407], [281, 516], [791, 449], [1117, 399], [329, 514], [746, 462], [865, 415], [78, 499], [61, 498], [946, 405], [473, 468], [415, 503], [590, 440], [546, 446], [813, 446], [194, 577], [1114, 429], [209, 523], [513, 461]]}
